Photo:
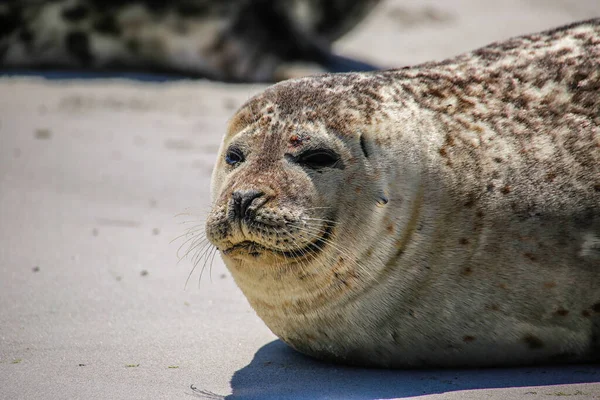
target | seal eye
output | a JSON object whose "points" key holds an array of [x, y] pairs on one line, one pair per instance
{"points": [[234, 156], [317, 159]]}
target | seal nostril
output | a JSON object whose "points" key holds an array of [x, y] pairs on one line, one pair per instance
{"points": [[242, 200]]}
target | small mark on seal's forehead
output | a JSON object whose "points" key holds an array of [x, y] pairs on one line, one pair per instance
{"points": [[297, 140]]}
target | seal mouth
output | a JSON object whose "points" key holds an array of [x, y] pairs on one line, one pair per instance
{"points": [[254, 249]]}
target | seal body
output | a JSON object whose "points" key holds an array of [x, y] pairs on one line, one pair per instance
{"points": [[446, 214], [232, 40]]}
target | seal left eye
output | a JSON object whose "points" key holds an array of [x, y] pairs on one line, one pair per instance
{"points": [[234, 156]]}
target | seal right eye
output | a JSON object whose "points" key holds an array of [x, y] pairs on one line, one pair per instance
{"points": [[234, 156], [318, 159]]}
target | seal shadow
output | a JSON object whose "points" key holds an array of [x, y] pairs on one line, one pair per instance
{"points": [[278, 372]]}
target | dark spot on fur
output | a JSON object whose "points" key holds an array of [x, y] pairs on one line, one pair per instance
{"points": [[443, 152], [470, 202], [585, 219], [26, 36], [133, 45], [10, 22], [79, 45], [390, 228], [192, 10], [505, 190], [468, 339], [597, 187], [363, 146], [530, 256], [107, 25], [586, 313], [497, 159], [490, 187], [340, 278], [550, 177], [463, 241], [533, 342], [493, 307], [467, 271], [76, 13], [549, 285], [561, 312], [502, 286]]}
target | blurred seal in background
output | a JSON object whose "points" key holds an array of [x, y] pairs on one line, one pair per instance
{"points": [[229, 40]]}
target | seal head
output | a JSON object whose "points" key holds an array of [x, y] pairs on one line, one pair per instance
{"points": [[438, 215]]}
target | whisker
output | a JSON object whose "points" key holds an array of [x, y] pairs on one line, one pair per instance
{"points": [[200, 240], [192, 234], [193, 240], [212, 259], [320, 220], [199, 251], [204, 266], [202, 254], [179, 237]]}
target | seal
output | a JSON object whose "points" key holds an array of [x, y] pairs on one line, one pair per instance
{"points": [[446, 214], [233, 40]]}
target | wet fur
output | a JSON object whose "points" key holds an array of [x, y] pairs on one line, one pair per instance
{"points": [[466, 217]]}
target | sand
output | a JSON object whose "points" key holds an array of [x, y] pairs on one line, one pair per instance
{"points": [[97, 177]]}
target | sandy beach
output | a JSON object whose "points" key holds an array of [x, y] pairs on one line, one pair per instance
{"points": [[99, 178]]}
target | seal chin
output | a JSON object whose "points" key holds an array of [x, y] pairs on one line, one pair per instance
{"points": [[248, 249], [244, 249]]}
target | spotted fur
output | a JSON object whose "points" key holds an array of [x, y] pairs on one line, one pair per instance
{"points": [[234, 40], [465, 221]]}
